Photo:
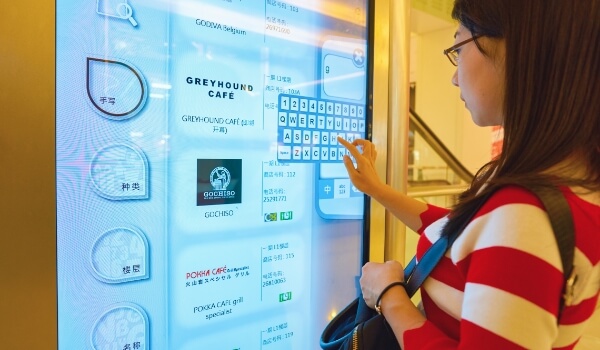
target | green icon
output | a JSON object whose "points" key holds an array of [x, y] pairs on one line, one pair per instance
{"points": [[287, 296], [285, 215], [270, 217]]}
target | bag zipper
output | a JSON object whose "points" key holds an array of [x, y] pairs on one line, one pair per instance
{"points": [[355, 338]]}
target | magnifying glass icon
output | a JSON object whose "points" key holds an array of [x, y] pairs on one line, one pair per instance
{"points": [[126, 12]]}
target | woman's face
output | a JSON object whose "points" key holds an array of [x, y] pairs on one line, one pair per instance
{"points": [[481, 77]]}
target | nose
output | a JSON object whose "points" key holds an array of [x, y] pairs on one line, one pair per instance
{"points": [[455, 78]]}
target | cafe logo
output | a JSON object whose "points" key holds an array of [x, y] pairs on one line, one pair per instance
{"points": [[220, 178], [219, 181]]}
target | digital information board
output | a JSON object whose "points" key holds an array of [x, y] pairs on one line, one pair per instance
{"points": [[202, 202]]}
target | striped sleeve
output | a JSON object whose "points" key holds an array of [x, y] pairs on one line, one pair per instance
{"points": [[431, 215]]}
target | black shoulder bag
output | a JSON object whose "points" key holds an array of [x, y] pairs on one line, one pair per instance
{"points": [[358, 327]]}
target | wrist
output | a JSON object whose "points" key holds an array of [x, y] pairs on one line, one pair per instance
{"points": [[385, 291]]}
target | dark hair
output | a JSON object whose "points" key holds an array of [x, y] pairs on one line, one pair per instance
{"points": [[552, 98]]}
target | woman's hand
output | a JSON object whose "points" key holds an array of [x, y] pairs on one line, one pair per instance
{"points": [[363, 176], [376, 276], [396, 306]]}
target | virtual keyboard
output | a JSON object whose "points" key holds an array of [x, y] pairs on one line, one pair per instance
{"points": [[308, 128]]}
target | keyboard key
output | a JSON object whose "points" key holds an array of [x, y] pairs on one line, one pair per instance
{"points": [[302, 119], [341, 153], [320, 122], [333, 138], [297, 153], [312, 121], [338, 124], [294, 103], [283, 119], [345, 110], [297, 137], [316, 153], [284, 103], [312, 106], [360, 111], [338, 109], [316, 137], [330, 123], [330, 108], [332, 170], [292, 119], [341, 188], [346, 123], [287, 135], [324, 153], [306, 137], [284, 152], [321, 106], [303, 105], [306, 153], [325, 189], [333, 155]]}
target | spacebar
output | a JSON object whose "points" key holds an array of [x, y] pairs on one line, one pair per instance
{"points": [[333, 171]]}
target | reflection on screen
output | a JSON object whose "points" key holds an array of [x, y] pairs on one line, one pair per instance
{"points": [[202, 202]]}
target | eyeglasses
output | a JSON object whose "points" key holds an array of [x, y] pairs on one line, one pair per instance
{"points": [[452, 52]]}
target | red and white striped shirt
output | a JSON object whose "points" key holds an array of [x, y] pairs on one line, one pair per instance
{"points": [[499, 285]]}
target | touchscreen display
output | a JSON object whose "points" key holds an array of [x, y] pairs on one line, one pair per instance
{"points": [[202, 202]]}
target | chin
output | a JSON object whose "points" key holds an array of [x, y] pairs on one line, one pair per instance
{"points": [[478, 121], [484, 124], [484, 121]]}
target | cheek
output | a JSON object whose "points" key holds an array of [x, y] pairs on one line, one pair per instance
{"points": [[466, 84], [480, 93], [494, 98], [479, 87]]}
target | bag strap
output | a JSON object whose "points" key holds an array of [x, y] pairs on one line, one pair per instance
{"points": [[416, 273], [559, 212]]}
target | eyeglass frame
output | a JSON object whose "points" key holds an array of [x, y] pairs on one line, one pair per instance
{"points": [[451, 51]]}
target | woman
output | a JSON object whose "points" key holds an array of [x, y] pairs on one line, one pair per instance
{"points": [[531, 66]]}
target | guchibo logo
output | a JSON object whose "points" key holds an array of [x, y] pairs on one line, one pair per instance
{"points": [[219, 179]]}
